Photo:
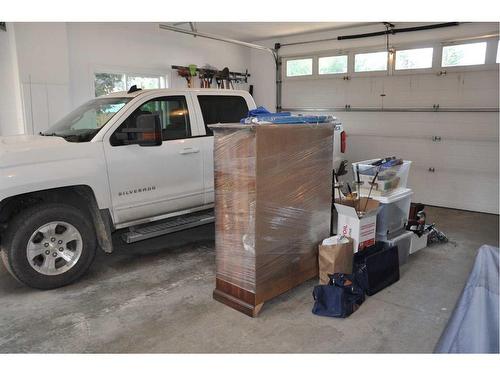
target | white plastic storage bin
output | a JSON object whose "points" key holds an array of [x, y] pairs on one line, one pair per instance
{"points": [[393, 212], [402, 241], [388, 180], [418, 243]]}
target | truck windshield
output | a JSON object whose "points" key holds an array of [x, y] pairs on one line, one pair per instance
{"points": [[84, 123]]}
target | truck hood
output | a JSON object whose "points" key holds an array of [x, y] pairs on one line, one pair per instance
{"points": [[34, 149]]}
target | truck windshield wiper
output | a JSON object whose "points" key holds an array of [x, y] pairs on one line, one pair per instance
{"points": [[84, 136]]}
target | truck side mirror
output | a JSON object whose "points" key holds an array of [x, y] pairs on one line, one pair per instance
{"points": [[147, 131]]}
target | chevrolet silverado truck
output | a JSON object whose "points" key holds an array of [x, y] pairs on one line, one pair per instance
{"points": [[141, 160]]}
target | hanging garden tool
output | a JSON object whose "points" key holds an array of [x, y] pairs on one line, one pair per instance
{"points": [[203, 78], [193, 73], [209, 73], [218, 79], [225, 76], [184, 72], [210, 77]]}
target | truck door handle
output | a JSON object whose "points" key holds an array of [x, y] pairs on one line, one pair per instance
{"points": [[189, 150]]}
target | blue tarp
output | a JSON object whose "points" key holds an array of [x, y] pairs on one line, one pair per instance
{"points": [[262, 115], [262, 111], [473, 325]]}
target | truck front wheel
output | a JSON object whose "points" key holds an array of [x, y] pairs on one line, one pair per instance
{"points": [[49, 245]]}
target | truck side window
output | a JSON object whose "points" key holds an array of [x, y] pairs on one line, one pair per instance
{"points": [[174, 117], [222, 109]]}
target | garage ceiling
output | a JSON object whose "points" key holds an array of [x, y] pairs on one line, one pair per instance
{"points": [[252, 31]]}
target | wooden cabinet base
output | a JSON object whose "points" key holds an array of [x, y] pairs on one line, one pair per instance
{"points": [[237, 298], [250, 303]]}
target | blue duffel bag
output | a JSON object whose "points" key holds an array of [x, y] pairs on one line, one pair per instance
{"points": [[340, 298]]}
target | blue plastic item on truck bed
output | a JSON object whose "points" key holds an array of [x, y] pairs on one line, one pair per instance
{"points": [[262, 111], [261, 114]]}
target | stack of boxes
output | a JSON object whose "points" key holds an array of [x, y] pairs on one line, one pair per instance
{"points": [[394, 200]]}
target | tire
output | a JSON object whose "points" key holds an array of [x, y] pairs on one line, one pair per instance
{"points": [[49, 245]]}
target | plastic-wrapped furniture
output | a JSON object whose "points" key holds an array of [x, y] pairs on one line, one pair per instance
{"points": [[272, 208]]}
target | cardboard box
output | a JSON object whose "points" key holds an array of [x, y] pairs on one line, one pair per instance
{"points": [[361, 229], [335, 258]]}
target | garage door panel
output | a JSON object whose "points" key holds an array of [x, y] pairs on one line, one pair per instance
{"points": [[482, 98], [466, 172], [300, 93], [431, 81], [449, 125], [452, 155], [479, 80], [465, 161], [419, 90], [467, 181], [456, 189]]}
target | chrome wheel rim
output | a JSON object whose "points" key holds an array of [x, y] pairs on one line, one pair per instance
{"points": [[54, 248]]}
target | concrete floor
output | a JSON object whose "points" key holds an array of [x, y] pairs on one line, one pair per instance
{"points": [[156, 296]]}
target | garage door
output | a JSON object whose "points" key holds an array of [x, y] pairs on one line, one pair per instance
{"points": [[454, 153]]}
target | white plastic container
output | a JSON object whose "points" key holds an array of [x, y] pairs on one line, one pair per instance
{"points": [[388, 180], [393, 212], [402, 241], [418, 243]]}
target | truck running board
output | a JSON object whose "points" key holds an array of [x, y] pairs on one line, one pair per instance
{"points": [[171, 225]]}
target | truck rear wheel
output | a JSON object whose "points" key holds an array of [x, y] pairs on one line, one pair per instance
{"points": [[49, 245]]}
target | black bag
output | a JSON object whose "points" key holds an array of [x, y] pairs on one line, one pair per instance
{"points": [[340, 298], [375, 268]]}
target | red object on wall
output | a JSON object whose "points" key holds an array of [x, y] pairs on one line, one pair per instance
{"points": [[343, 142]]}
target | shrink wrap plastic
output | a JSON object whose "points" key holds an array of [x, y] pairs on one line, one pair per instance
{"points": [[273, 200]]}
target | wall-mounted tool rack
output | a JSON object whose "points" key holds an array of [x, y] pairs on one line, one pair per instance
{"points": [[233, 76]]}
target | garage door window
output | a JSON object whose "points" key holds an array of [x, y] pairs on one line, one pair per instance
{"points": [[332, 65], [418, 58], [222, 109], [370, 62], [299, 67], [464, 54]]}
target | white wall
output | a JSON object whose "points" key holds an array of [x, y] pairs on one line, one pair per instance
{"points": [[465, 161], [55, 64], [141, 47], [42, 55], [11, 120]]}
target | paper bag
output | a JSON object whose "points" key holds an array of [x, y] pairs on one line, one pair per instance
{"points": [[335, 258]]}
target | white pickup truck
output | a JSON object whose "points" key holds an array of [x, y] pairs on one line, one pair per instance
{"points": [[141, 160]]}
